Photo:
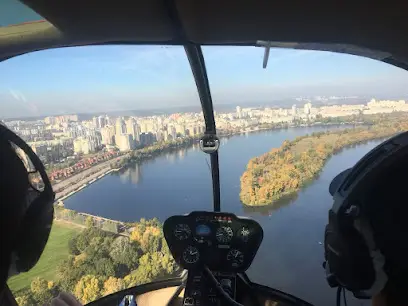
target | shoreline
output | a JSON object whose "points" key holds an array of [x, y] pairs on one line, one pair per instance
{"points": [[284, 171], [83, 184], [89, 180], [286, 198]]}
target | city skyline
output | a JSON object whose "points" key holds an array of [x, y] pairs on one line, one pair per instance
{"points": [[122, 78], [57, 139]]}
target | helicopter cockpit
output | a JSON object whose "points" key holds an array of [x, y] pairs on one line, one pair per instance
{"points": [[213, 248], [218, 242]]}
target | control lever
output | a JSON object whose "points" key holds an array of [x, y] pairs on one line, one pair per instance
{"points": [[227, 286], [219, 288]]}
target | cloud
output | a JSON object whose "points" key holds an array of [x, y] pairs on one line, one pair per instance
{"points": [[21, 98], [17, 95]]}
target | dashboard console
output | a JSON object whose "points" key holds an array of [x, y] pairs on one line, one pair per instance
{"points": [[221, 241]]}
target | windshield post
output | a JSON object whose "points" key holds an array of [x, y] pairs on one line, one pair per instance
{"points": [[197, 64]]}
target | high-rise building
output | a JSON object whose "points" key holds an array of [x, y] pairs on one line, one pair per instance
{"points": [[49, 120], [133, 129], [239, 112], [120, 127], [180, 129], [173, 132], [193, 130], [108, 132], [159, 135], [95, 122], [147, 139], [160, 123], [40, 150], [72, 118], [165, 135], [124, 142], [294, 110], [307, 108], [84, 145], [101, 122]]}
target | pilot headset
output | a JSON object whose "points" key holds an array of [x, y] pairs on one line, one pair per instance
{"points": [[352, 259], [36, 214]]}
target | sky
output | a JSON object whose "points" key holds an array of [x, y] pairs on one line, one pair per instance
{"points": [[112, 78]]}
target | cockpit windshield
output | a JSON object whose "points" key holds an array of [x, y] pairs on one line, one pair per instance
{"points": [[118, 129]]}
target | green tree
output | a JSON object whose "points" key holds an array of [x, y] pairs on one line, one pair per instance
{"points": [[70, 273], [89, 222], [105, 267], [72, 246], [123, 251], [137, 277], [85, 237]]}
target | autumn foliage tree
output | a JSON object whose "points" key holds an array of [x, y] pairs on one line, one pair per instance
{"points": [[88, 289], [41, 290], [285, 170], [112, 285]]}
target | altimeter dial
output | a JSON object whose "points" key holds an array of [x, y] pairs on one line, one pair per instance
{"points": [[235, 257], [191, 255], [182, 231], [224, 234]]}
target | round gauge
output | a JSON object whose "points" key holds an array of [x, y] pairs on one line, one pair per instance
{"points": [[182, 231], [244, 234], [224, 234], [191, 255], [235, 257]]}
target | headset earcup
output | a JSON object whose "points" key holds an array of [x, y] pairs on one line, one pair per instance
{"points": [[34, 233], [349, 259]]}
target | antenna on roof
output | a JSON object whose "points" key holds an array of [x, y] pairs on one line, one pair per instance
{"points": [[267, 46]]}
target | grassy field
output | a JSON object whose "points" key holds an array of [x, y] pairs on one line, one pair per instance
{"points": [[55, 251]]}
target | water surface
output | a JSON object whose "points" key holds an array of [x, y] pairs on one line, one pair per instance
{"points": [[291, 255]]}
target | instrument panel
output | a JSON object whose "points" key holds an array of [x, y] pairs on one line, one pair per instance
{"points": [[221, 241]]}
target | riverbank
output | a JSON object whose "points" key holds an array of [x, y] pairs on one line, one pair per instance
{"points": [[287, 169], [76, 183], [81, 181]]}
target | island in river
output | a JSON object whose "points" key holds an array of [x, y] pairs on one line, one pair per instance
{"points": [[283, 171]]}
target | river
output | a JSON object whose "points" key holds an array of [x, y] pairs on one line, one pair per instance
{"points": [[290, 257]]}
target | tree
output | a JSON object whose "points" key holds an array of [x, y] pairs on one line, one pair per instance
{"points": [[105, 267], [70, 272], [25, 300], [283, 171], [89, 222], [84, 238], [150, 243], [124, 252], [72, 246], [138, 277], [88, 289], [112, 285], [41, 291]]}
